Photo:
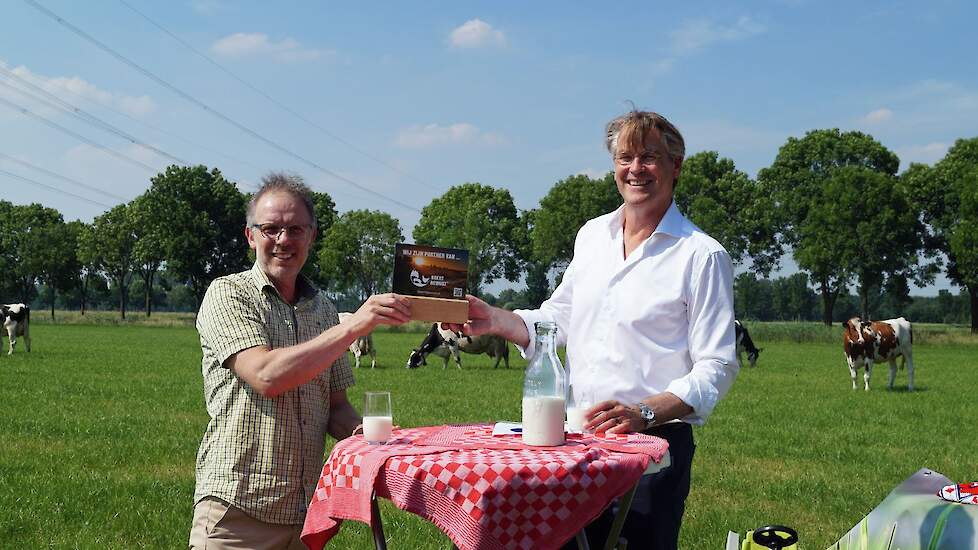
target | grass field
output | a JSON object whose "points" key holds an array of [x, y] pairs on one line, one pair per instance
{"points": [[99, 426]]}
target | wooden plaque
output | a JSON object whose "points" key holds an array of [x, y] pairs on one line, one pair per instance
{"points": [[439, 310]]}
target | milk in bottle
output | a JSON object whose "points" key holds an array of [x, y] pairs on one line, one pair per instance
{"points": [[544, 391]]}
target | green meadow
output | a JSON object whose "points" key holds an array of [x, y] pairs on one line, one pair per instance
{"points": [[100, 423]]}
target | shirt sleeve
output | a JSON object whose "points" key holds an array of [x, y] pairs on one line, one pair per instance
{"points": [[229, 322], [340, 373], [711, 336]]}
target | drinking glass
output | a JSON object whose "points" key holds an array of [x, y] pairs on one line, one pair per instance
{"points": [[377, 419], [577, 405]]}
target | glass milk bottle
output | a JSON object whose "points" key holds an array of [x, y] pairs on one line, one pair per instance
{"points": [[544, 391]]}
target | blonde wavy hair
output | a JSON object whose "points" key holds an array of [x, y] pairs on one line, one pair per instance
{"points": [[633, 129]]}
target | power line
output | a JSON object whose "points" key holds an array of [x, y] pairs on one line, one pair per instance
{"points": [[60, 177], [208, 108], [75, 135], [55, 189], [64, 88], [55, 174], [279, 104], [58, 103]]}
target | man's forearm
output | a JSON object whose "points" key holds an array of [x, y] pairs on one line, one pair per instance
{"points": [[511, 327], [275, 371], [668, 406]]}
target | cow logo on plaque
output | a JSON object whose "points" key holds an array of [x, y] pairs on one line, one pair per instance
{"points": [[417, 280]]}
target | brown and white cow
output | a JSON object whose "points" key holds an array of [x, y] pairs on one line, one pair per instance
{"points": [[873, 341], [16, 320], [363, 345]]}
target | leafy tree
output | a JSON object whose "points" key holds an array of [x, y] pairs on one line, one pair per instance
{"points": [[537, 285], [8, 256], [567, 206], [512, 299], [204, 233], [25, 246], [325, 212], [358, 251], [752, 297], [90, 264], [56, 257], [946, 195], [536, 269], [795, 184], [880, 231], [792, 299], [325, 218], [731, 208], [480, 219], [149, 253], [962, 243], [112, 243]]}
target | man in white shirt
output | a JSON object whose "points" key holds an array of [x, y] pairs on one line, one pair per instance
{"points": [[646, 311]]}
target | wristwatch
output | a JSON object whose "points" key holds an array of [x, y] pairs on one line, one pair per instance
{"points": [[648, 415]]}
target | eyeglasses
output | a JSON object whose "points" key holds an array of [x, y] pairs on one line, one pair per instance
{"points": [[648, 159], [274, 231]]}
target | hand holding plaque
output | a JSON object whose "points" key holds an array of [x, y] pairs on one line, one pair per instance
{"points": [[435, 280]]}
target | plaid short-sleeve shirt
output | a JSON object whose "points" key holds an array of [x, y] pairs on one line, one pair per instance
{"points": [[263, 454]]}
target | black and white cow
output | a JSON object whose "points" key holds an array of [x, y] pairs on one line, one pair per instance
{"points": [[865, 342], [363, 345], [16, 319], [744, 343], [445, 343]]}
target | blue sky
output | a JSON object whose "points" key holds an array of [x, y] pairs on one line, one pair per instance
{"points": [[441, 93]]}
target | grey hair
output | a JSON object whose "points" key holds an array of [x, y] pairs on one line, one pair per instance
{"points": [[635, 126], [282, 182]]}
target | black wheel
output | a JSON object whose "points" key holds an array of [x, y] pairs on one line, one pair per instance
{"points": [[775, 536]]}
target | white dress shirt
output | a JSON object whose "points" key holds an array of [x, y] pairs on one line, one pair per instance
{"points": [[659, 321]]}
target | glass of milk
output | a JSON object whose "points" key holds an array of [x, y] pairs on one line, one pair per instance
{"points": [[377, 420], [577, 405]]}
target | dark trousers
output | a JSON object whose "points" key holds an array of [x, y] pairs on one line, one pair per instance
{"points": [[656, 514]]}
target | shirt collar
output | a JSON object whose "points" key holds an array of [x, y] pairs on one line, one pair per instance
{"points": [[303, 286], [671, 223]]}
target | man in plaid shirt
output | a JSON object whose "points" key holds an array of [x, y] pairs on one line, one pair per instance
{"points": [[275, 378]]}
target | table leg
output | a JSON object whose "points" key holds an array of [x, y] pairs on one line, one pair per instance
{"points": [[623, 506], [377, 526], [582, 540]]}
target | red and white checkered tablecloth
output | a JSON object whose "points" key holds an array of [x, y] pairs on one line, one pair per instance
{"points": [[485, 492]]}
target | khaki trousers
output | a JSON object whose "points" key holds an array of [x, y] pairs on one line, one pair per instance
{"points": [[220, 526]]}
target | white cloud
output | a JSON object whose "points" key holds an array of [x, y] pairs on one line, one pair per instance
{"points": [[89, 159], [137, 106], [696, 34], [257, 44], [207, 7], [70, 88], [476, 33], [662, 66], [927, 154], [878, 116], [432, 135], [592, 173]]}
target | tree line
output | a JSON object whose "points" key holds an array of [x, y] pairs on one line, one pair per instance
{"points": [[831, 199]]}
